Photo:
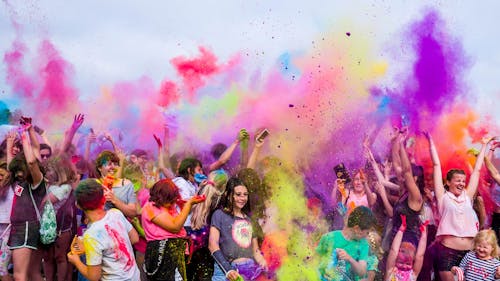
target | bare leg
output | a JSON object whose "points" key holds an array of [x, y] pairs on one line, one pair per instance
{"points": [[21, 261], [35, 265], [446, 276]]}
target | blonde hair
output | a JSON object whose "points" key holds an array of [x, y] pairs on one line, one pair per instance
{"points": [[490, 237], [63, 169], [212, 190], [375, 241]]}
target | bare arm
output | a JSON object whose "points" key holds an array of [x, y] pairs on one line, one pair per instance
{"points": [[383, 195], [396, 243], [415, 200], [438, 174], [175, 224], [422, 245], [133, 236], [35, 171], [161, 161], [224, 156], [252, 161], [492, 170], [380, 177], [70, 133], [370, 195], [10, 139], [474, 177]]}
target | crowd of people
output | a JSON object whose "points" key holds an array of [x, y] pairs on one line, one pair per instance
{"points": [[134, 216]]}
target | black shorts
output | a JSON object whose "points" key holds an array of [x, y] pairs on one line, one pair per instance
{"points": [[25, 235], [446, 257]]}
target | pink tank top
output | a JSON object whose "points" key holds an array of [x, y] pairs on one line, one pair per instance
{"points": [[458, 218], [355, 200]]}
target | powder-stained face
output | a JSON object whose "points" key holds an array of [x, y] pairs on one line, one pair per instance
{"points": [[404, 260], [240, 197], [109, 168]]}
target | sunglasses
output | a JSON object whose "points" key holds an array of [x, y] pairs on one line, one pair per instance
{"points": [[45, 156]]}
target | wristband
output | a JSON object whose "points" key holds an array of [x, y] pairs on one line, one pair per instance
{"points": [[222, 261]]}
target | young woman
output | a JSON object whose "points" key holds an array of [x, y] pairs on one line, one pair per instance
{"points": [[201, 266], [459, 223], [165, 235], [62, 179], [119, 192], [232, 241]]}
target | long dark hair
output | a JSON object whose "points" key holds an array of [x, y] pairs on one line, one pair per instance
{"points": [[227, 202]]}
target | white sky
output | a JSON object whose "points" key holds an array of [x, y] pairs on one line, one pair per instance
{"points": [[115, 40]]}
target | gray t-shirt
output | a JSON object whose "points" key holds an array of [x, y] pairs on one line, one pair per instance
{"points": [[235, 240], [125, 193]]}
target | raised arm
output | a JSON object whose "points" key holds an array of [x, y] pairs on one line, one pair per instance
{"points": [[252, 161], [437, 173], [474, 177], [10, 139], [175, 224], [396, 243], [383, 196], [161, 160], [371, 196], [492, 170], [32, 162], [380, 177], [415, 200], [70, 133], [224, 157], [422, 245]]}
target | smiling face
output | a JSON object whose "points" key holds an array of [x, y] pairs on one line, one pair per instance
{"points": [[456, 184], [240, 198], [404, 260], [357, 183], [108, 168], [483, 249]]}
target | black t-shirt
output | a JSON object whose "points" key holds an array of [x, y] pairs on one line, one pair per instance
{"points": [[22, 208]]}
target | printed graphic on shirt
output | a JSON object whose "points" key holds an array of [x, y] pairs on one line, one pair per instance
{"points": [[242, 233], [18, 190]]}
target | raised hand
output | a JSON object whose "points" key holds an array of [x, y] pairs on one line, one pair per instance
{"points": [[77, 121], [158, 141]]}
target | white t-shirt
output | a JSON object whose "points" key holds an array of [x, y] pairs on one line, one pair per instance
{"points": [[107, 244], [186, 190], [61, 192], [6, 205]]}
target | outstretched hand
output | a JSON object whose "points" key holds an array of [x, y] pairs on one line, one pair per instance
{"points": [[77, 121]]}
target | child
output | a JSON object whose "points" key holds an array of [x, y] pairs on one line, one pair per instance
{"points": [[375, 254], [403, 263], [343, 253], [480, 263], [108, 249]]}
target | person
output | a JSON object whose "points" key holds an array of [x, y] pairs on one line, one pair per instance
{"points": [[185, 181], [107, 241], [29, 190], [459, 223], [343, 253], [119, 192], [202, 265], [232, 242], [61, 178], [404, 262], [165, 235], [481, 263], [6, 200], [45, 152]]}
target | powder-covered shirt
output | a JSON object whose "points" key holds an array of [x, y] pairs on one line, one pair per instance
{"points": [[107, 244], [235, 240], [154, 231], [458, 217], [476, 269]]}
